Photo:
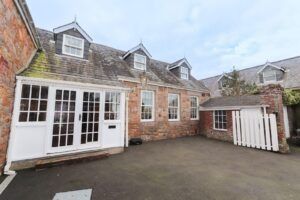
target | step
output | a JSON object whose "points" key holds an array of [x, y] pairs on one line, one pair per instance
{"points": [[70, 159]]}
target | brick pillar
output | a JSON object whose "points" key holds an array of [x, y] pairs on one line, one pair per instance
{"points": [[272, 95]]}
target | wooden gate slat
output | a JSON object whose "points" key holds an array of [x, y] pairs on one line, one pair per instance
{"points": [[274, 135]]}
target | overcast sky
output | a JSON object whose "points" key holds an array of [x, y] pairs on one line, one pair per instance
{"points": [[213, 35]]}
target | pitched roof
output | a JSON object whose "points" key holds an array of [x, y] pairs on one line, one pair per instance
{"points": [[139, 46], [291, 78], [103, 66], [178, 63], [72, 25], [232, 101]]}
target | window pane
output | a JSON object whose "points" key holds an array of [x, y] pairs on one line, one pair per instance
{"points": [[33, 116], [25, 91], [42, 116], [23, 116], [44, 92], [24, 105], [35, 91], [43, 105]]}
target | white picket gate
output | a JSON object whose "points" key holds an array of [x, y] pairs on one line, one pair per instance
{"points": [[255, 130]]}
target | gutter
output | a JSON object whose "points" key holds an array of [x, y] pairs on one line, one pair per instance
{"points": [[126, 120]]}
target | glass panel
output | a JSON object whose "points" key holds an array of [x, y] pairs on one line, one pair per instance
{"points": [[23, 116], [43, 105], [44, 92], [24, 105], [66, 95], [25, 91], [42, 116], [33, 116], [58, 94], [35, 91], [34, 105]]}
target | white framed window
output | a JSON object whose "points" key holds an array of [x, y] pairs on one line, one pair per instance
{"points": [[184, 73], [73, 46], [33, 103], [194, 113], [173, 107], [220, 120], [139, 61], [269, 76], [147, 105], [112, 106]]}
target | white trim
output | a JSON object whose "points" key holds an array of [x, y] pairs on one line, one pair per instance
{"points": [[64, 45], [73, 25], [135, 61], [140, 46], [153, 106], [197, 108], [214, 125], [184, 60], [230, 107], [6, 182], [178, 107], [53, 82], [270, 65]]}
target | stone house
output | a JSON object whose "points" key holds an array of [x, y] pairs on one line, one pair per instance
{"points": [[18, 44], [79, 96]]}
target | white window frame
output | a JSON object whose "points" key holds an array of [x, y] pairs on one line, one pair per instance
{"points": [[117, 104], [184, 73], [270, 81], [28, 111], [197, 110], [178, 108], [214, 122], [70, 54], [153, 106], [135, 61]]}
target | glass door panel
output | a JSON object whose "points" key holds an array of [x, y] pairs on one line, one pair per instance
{"points": [[90, 117], [64, 117]]}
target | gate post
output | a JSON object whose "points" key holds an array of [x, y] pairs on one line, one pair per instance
{"points": [[272, 95]]}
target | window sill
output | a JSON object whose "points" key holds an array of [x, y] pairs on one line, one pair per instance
{"points": [[174, 120], [218, 129], [144, 120], [194, 119]]}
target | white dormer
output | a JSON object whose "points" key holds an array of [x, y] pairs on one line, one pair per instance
{"points": [[184, 73], [72, 46]]}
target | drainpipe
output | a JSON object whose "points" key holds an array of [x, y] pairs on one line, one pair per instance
{"points": [[126, 120]]}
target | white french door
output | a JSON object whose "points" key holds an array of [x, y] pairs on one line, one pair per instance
{"points": [[75, 119]]}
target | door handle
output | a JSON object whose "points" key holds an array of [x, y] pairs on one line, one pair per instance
{"points": [[79, 117]]}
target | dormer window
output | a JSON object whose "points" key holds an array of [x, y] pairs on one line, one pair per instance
{"points": [[73, 46], [184, 73], [139, 61]]}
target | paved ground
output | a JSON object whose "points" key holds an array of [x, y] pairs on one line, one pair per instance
{"points": [[186, 168]]}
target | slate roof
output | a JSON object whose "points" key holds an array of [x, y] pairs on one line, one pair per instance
{"points": [[232, 101], [291, 78], [104, 66]]}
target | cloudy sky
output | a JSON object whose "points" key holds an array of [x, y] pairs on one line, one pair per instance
{"points": [[213, 35]]}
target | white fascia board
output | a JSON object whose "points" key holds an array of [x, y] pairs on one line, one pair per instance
{"points": [[70, 26], [224, 74], [44, 81], [270, 65], [230, 107], [140, 46]]}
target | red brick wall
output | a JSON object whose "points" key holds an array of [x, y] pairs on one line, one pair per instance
{"points": [[206, 126], [161, 128], [16, 48]]}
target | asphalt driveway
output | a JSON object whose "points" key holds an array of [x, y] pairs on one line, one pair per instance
{"points": [[184, 168]]}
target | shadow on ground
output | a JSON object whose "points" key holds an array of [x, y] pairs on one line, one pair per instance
{"points": [[184, 168]]}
